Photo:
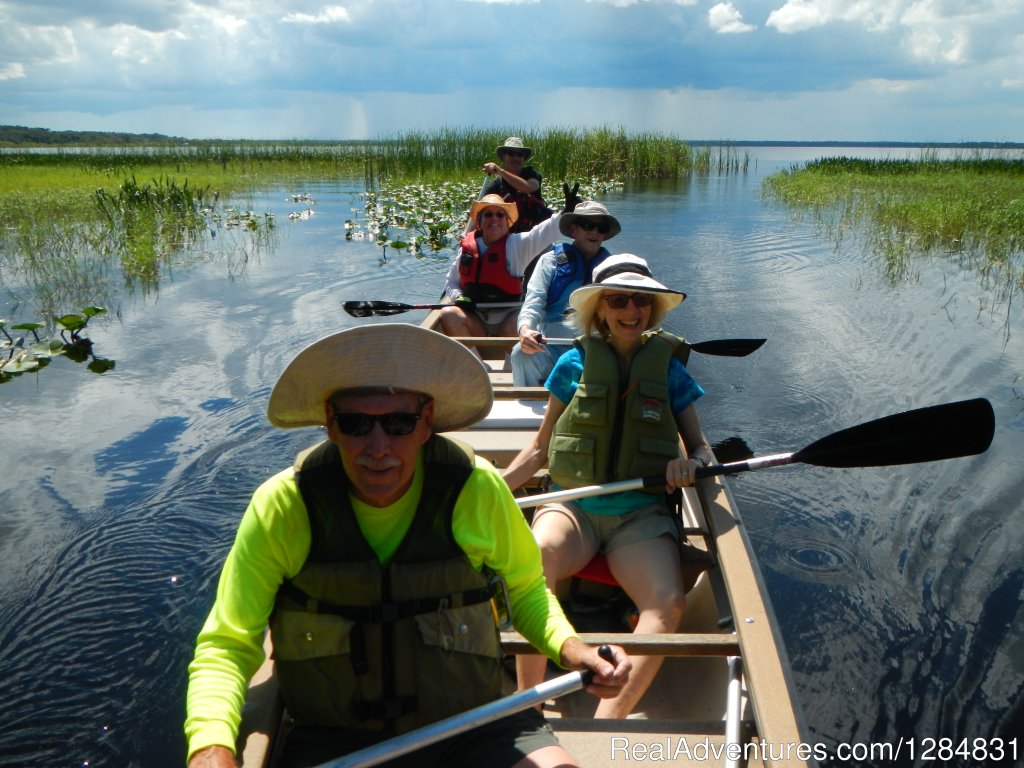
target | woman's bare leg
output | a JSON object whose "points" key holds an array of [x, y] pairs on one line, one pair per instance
{"points": [[651, 574]]}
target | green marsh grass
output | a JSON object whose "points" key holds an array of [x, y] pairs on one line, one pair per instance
{"points": [[80, 224], [967, 208]]}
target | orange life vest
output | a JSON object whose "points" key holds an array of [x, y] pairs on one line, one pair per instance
{"points": [[486, 277]]}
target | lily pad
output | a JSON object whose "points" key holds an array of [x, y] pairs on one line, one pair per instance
{"points": [[72, 322]]}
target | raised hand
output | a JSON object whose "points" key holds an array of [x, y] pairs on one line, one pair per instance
{"points": [[571, 198]]}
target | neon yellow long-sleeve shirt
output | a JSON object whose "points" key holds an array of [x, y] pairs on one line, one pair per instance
{"points": [[271, 545]]}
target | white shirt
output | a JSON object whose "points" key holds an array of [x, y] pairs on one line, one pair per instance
{"points": [[520, 249]]}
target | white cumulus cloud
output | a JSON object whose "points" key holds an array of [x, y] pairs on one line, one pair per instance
{"points": [[724, 18], [329, 15], [802, 15]]}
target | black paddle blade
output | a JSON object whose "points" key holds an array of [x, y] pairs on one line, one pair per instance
{"points": [[728, 347], [372, 308], [926, 434]]}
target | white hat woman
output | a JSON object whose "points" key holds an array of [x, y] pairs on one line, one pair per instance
{"points": [[621, 275], [616, 400]]}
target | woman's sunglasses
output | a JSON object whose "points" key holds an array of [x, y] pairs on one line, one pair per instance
{"points": [[359, 424], [491, 214], [590, 226], [620, 300]]}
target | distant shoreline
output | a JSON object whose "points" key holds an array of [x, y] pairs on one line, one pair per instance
{"points": [[17, 136]]}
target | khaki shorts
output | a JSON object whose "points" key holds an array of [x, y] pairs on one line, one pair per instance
{"points": [[493, 318], [605, 533]]}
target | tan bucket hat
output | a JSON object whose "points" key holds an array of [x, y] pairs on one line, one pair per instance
{"points": [[494, 201], [393, 357], [589, 209], [626, 272], [514, 142]]}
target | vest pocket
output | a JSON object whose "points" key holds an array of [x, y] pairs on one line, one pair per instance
{"points": [[651, 403], [590, 404], [469, 629], [572, 456], [298, 635], [652, 455]]}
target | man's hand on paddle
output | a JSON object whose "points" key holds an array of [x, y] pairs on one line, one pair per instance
{"points": [[609, 676]]}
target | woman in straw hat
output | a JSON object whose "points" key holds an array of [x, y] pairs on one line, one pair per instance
{"points": [[367, 553], [518, 183], [489, 265], [618, 403]]}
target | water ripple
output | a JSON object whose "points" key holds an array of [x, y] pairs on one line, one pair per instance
{"points": [[818, 557]]}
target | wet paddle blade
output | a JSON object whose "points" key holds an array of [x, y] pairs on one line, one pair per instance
{"points": [[377, 308], [927, 434], [728, 347]]}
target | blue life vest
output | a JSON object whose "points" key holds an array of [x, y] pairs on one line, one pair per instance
{"points": [[572, 271]]}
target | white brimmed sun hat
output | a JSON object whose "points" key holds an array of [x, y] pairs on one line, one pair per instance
{"points": [[393, 357], [513, 142], [626, 272], [493, 201], [589, 210]]}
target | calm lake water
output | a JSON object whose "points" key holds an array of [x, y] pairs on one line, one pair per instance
{"points": [[898, 590]]}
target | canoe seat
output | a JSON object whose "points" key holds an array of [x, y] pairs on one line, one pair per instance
{"points": [[597, 570], [694, 561]]}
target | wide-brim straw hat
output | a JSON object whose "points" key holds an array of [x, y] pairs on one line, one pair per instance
{"points": [[494, 201], [626, 272], [514, 142], [589, 209], [392, 357]]}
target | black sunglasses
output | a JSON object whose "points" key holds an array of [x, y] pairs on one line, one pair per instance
{"points": [[491, 214], [513, 153], [589, 226], [359, 424], [620, 300]]}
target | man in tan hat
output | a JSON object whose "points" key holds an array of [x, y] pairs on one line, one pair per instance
{"points": [[374, 559], [518, 183], [489, 265], [558, 273]]}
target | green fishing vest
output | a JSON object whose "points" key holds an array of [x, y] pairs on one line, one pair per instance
{"points": [[385, 649], [595, 440]]}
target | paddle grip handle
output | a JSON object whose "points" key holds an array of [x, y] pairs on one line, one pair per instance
{"points": [[605, 652]]}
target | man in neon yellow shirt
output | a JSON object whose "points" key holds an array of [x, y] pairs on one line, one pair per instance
{"points": [[374, 561]]}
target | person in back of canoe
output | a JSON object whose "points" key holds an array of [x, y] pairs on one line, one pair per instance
{"points": [[489, 266], [618, 403], [375, 559], [558, 273], [518, 183]]}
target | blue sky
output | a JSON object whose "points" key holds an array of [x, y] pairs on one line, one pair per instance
{"points": [[859, 70]]}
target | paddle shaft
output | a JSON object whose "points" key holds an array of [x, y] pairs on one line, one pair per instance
{"points": [[935, 433], [723, 347], [469, 221], [372, 308], [456, 724]]}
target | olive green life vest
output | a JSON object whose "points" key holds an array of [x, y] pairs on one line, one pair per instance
{"points": [[385, 649], [614, 432]]}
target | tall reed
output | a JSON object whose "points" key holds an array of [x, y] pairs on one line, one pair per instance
{"points": [[967, 206]]}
